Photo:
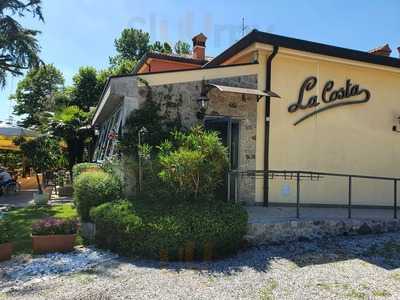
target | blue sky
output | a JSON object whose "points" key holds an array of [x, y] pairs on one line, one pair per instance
{"points": [[82, 32]]}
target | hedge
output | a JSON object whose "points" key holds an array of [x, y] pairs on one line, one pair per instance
{"points": [[162, 231], [94, 188], [5, 232]]}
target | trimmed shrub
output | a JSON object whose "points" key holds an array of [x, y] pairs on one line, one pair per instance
{"points": [[161, 231], [193, 163], [84, 167], [6, 235], [94, 188]]}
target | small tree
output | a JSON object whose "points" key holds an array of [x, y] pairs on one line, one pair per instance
{"points": [[42, 153], [71, 126], [193, 163]]}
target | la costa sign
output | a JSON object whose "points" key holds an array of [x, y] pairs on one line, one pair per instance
{"points": [[330, 97]]}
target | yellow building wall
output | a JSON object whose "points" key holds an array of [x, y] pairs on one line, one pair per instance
{"points": [[356, 139]]}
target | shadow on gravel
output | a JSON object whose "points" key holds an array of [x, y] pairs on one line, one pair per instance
{"points": [[380, 250]]}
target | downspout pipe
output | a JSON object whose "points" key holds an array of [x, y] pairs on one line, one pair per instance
{"points": [[268, 78]]}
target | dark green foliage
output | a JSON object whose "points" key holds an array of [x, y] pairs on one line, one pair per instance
{"points": [[78, 169], [86, 88], [157, 126], [19, 46], [35, 94], [155, 229], [42, 153], [11, 160], [94, 188], [182, 48], [5, 232], [69, 124], [132, 44], [161, 47]]}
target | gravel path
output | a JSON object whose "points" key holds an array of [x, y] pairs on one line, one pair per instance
{"points": [[366, 267]]}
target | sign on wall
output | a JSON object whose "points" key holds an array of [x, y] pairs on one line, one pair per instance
{"points": [[330, 97]]}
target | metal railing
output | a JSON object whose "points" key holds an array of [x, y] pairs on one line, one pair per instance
{"points": [[315, 176]]}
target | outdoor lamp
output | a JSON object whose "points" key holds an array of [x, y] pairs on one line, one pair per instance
{"points": [[395, 128], [202, 102]]}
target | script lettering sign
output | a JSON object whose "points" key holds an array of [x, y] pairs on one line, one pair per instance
{"points": [[331, 97]]}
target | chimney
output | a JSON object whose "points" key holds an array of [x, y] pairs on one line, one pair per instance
{"points": [[383, 50], [199, 47]]}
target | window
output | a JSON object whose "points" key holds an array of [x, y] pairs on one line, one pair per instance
{"points": [[108, 137]]}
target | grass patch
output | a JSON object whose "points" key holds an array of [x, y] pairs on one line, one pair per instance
{"points": [[3, 296], [23, 218], [355, 294], [83, 278], [266, 293], [381, 293], [343, 289], [396, 276]]}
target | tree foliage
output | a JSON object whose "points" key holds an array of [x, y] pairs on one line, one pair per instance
{"points": [[133, 44], [130, 46], [193, 163], [70, 125], [182, 48], [149, 117], [42, 153], [35, 94], [86, 88], [161, 47], [19, 47]]}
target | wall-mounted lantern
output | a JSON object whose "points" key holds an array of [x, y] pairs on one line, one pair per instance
{"points": [[202, 101], [395, 128]]}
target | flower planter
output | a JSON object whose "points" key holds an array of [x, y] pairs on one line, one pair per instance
{"points": [[53, 243], [6, 251]]}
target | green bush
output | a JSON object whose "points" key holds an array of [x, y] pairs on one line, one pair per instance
{"points": [[162, 231], [193, 163], [94, 188], [5, 232], [84, 167]]}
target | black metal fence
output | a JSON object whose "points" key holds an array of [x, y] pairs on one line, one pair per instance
{"points": [[298, 176]]}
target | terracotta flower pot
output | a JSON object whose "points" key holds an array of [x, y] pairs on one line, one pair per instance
{"points": [[6, 251], [53, 243]]}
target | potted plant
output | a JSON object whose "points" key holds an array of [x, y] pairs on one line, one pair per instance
{"points": [[54, 235], [42, 154], [6, 246]]}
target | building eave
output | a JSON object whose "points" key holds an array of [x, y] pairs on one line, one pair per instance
{"points": [[167, 57], [302, 45]]}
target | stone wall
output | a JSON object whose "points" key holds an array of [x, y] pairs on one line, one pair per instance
{"points": [[178, 101], [288, 231]]}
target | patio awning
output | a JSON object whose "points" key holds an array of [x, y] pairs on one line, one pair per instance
{"points": [[237, 90], [8, 132]]}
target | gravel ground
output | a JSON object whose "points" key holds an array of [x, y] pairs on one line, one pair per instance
{"points": [[366, 267]]}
